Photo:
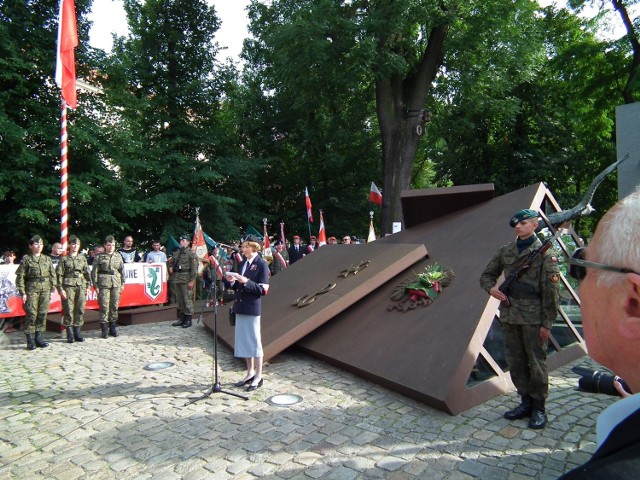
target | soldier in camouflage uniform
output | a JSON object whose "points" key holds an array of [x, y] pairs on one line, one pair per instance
{"points": [[183, 268], [526, 316], [73, 280], [107, 275], [35, 280]]}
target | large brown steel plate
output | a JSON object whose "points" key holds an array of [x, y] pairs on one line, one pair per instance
{"points": [[283, 324]]}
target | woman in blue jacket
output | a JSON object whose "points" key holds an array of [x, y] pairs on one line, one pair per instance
{"points": [[250, 283]]}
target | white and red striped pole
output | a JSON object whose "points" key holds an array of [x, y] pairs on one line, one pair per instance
{"points": [[64, 187]]}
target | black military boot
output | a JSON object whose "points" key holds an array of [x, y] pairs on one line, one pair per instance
{"points": [[103, 327], [30, 344], [112, 329], [521, 411], [538, 415], [76, 334], [39, 341], [69, 335], [179, 322], [187, 321]]}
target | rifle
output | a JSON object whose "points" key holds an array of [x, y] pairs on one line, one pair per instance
{"points": [[505, 287]]}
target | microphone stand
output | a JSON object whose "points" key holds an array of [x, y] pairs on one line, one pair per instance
{"points": [[215, 388]]}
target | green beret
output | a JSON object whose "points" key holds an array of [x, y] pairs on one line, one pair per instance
{"points": [[522, 215]]}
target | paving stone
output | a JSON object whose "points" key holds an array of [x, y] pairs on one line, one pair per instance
{"points": [[68, 413]]}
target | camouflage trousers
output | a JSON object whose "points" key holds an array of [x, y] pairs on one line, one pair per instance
{"points": [[73, 307], [527, 360], [108, 300], [36, 308], [184, 297]]}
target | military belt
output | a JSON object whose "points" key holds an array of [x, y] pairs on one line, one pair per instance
{"points": [[72, 275], [524, 296], [36, 279], [106, 272]]}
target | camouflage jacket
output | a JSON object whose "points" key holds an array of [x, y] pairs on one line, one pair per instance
{"points": [[185, 265], [72, 271], [107, 271], [35, 274], [534, 297]]}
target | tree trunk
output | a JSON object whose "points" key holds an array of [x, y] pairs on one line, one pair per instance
{"points": [[399, 106]]}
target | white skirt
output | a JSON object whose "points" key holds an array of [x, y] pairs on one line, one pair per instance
{"points": [[248, 342]]}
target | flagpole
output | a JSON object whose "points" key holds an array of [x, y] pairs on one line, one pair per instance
{"points": [[64, 187]]}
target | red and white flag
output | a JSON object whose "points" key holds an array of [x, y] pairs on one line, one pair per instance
{"points": [[374, 195], [322, 236], [283, 239], [216, 264], [66, 57], [198, 245], [267, 243], [308, 202]]}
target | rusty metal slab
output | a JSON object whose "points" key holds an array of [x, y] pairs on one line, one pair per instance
{"points": [[428, 353], [423, 205], [326, 282]]}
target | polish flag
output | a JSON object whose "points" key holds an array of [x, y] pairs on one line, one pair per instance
{"points": [[308, 201], [66, 57], [322, 236], [374, 195]]}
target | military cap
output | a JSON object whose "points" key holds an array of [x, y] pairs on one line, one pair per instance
{"points": [[522, 215], [184, 236], [296, 236], [252, 238], [74, 239], [35, 239], [109, 239], [313, 237]]}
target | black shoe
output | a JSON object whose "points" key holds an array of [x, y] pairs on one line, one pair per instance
{"points": [[242, 383], [39, 341], [178, 323], [76, 334], [69, 335], [251, 388], [30, 344], [538, 419], [521, 411], [187, 321], [105, 330], [112, 329]]}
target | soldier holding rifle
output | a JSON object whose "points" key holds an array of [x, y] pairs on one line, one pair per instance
{"points": [[529, 308]]}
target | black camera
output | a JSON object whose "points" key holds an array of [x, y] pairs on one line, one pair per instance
{"points": [[595, 381]]}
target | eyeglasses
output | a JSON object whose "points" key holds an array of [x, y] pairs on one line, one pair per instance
{"points": [[578, 270]]}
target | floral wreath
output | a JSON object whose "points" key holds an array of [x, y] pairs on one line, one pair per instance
{"points": [[421, 290]]}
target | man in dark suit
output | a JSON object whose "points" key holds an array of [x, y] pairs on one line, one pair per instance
{"points": [[296, 251], [609, 272]]}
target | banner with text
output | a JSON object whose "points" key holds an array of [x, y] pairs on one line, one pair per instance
{"points": [[145, 284]]}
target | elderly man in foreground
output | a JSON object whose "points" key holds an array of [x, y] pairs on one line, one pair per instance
{"points": [[609, 273]]}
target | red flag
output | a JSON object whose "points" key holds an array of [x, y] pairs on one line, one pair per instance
{"points": [[322, 236], [308, 201], [66, 57], [374, 195]]}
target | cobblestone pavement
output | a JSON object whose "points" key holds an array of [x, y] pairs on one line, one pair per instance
{"points": [[91, 410]]}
